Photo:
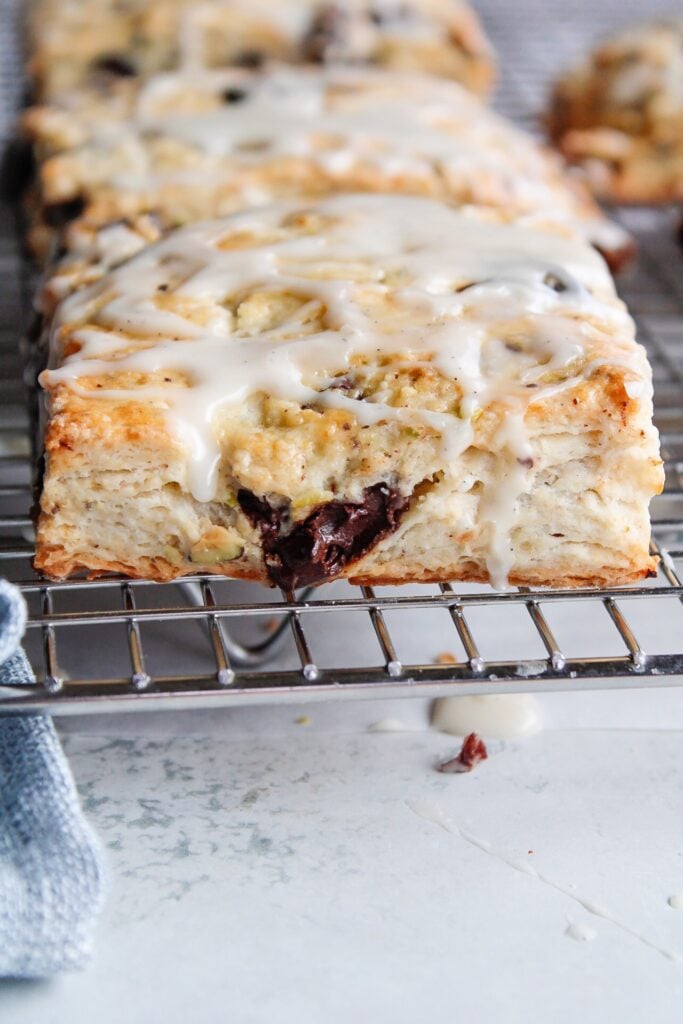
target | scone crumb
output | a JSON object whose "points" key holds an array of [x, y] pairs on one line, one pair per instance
{"points": [[445, 658], [473, 751]]}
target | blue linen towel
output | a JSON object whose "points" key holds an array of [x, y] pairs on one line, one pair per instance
{"points": [[52, 877]]}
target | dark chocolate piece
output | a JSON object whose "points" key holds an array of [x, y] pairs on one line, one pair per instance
{"points": [[248, 59], [327, 35], [233, 95], [320, 546], [56, 215], [116, 65]]}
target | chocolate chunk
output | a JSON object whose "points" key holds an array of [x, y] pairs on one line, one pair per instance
{"points": [[320, 546], [248, 59], [473, 751], [116, 65], [56, 215], [527, 463], [233, 95], [391, 13], [328, 33]]}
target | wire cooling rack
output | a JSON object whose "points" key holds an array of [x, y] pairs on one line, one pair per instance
{"points": [[117, 644]]}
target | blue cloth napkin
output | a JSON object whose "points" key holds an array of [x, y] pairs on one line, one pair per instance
{"points": [[52, 877]]}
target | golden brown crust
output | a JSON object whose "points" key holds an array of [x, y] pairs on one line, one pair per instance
{"points": [[351, 455], [53, 561]]}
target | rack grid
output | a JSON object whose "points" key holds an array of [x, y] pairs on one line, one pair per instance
{"points": [[116, 644]]}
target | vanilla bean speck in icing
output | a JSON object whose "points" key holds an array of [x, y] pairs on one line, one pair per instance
{"points": [[510, 314]]}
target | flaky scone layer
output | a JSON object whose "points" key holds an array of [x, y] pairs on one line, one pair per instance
{"points": [[374, 387], [93, 40], [184, 147], [619, 115]]}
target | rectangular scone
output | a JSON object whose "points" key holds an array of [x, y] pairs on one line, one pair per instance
{"points": [[78, 41], [373, 387], [188, 146]]}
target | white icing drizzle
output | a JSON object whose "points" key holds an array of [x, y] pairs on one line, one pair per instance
{"points": [[434, 813], [461, 288], [339, 119]]}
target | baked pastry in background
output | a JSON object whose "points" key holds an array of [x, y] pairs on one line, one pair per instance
{"points": [[376, 387], [619, 115], [186, 146], [73, 41]]}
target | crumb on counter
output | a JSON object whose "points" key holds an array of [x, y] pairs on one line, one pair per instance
{"points": [[473, 751]]}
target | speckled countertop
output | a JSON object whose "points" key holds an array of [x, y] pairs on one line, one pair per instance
{"points": [[269, 871]]}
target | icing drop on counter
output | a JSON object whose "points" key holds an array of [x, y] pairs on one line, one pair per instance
{"points": [[580, 932], [497, 716]]}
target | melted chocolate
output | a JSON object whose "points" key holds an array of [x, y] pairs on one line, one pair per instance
{"points": [[330, 537]]}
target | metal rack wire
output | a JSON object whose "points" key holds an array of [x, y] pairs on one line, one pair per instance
{"points": [[117, 644]]}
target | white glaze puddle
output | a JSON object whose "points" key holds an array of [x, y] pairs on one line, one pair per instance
{"points": [[676, 901], [498, 716], [433, 813], [580, 932], [392, 725]]}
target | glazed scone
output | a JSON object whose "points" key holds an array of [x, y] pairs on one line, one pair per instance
{"points": [[80, 40], [187, 146], [619, 116], [373, 387]]}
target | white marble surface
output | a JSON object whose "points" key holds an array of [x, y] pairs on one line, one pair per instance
{"points": [[269, 871]]}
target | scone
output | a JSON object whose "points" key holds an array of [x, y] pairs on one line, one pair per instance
{"points": [[619, 116], [79, 40], [374, 387], [187, 146]]}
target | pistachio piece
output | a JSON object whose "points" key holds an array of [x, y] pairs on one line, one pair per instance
{"points": [[216, 545]]}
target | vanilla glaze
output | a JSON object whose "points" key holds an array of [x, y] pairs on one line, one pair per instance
{"points": [[459, 286]]}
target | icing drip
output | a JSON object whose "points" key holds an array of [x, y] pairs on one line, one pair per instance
{"points": [[395, 278]]}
